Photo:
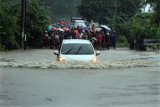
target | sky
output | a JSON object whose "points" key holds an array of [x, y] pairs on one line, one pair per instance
{"points": [[147, 8]]}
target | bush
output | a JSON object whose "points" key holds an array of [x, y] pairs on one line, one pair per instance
{"points": [[122, 39], [122, 42], [120, 45], [154, 47], [2, 49]]}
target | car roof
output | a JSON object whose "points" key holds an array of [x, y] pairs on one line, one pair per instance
{"points": [[67, 41], [82, 21]]}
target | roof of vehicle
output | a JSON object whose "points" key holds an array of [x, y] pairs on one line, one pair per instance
{"points": [[80, 21], [77, 18], [76, 41]]}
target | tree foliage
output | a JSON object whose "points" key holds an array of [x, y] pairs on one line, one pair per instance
{"points": [[36, 21], [10, 22], [62, 9], [96, 10], [156, 7], [9, 13], [140, 26], [124, 16], [100, 10]]}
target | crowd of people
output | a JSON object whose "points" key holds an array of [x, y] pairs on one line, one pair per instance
{"points": [[101, 38]]}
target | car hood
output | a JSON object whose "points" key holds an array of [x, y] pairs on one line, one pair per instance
{"points": [[77, 57]]}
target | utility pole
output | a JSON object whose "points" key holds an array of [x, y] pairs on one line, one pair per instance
{"points": [[23, 14], [0, 36]]}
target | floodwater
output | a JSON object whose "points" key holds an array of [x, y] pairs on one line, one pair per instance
{"points": [[119, 58], [122, 78]]}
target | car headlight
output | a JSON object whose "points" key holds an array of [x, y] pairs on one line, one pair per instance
{"points": [[60, 59], [94, 59]]}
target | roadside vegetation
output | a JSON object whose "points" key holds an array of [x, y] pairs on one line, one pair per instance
{"points": [[10, 22], [125, 17]]}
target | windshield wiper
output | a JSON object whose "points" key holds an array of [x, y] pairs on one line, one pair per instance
{"points": [[67, 51], [80, 47]]}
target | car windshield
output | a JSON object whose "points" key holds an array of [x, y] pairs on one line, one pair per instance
{"points": [[80, 23], [77, 49]]}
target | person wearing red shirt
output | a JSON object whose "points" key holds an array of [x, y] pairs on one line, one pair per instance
{"points": [[75, 33], [99, 40]]}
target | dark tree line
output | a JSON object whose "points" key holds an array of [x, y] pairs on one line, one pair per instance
{"points": [[62, 9], [100, 10]]}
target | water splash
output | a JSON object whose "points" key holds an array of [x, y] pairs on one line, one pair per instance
{"points": [[79, 65], [119, 58]]}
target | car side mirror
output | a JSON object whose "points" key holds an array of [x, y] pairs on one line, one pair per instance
{"points": [[56, 53], [97, 53]]}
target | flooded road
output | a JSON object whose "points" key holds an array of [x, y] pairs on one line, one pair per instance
{"points": [[119, 58], [122, 78]]}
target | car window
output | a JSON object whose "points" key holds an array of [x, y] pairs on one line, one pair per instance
{"points": [[80, 23], [77, 49]]}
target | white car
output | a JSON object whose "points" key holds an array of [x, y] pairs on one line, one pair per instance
{"points": [[76, 50]]}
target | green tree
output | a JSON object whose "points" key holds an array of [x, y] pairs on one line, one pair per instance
{"points": [[97, 10], [10, 21], [36, 21], [9, 11], [100, 10], [62, 9], [156, 7]]}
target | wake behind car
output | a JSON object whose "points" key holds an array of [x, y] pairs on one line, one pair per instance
{"points": [[77, 50]]}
